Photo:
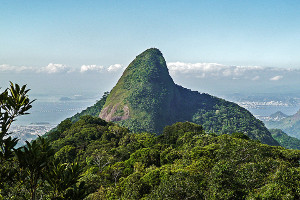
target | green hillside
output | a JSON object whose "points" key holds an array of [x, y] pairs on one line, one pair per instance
{"points": [[146, 99], [290, 125], [284, 140]]}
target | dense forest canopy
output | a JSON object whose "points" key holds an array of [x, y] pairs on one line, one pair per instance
{"points": [[183, 163]]}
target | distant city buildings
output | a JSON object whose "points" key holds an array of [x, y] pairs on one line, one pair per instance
{"points": [[29, 132], [257, 104]]}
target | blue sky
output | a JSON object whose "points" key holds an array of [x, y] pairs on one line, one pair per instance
{"points": [[106, 32], [60, 37]]}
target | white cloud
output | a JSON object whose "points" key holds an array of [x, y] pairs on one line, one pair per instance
{"points": [[85, 68], [200, 70], [185, 70], [194, 67], [10, 68], [50, 68], [55, 68], [114, 67], [215, 70], [212, 68], [276, 78]]}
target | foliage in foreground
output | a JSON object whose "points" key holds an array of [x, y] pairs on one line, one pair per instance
{"points": [[32, 172]]}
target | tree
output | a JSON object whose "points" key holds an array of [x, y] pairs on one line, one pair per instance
{"points": [[33, 160], [14, 102], [62, 178], [32, 164]]}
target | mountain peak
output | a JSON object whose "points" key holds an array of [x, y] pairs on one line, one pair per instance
{"points": [[296, 116], [278, 116], [149, 66], [145, 86], [147, 99]]}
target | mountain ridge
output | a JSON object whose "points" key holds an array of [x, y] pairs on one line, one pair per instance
{"points": [[289, 124], [278, 116]]}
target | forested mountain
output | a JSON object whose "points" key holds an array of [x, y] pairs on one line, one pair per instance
{"points": [[147, 99], [289, 124]]}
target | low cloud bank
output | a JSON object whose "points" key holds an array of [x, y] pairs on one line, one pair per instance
{"points": [[215, 70], [52, 68], [196, 70]]}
